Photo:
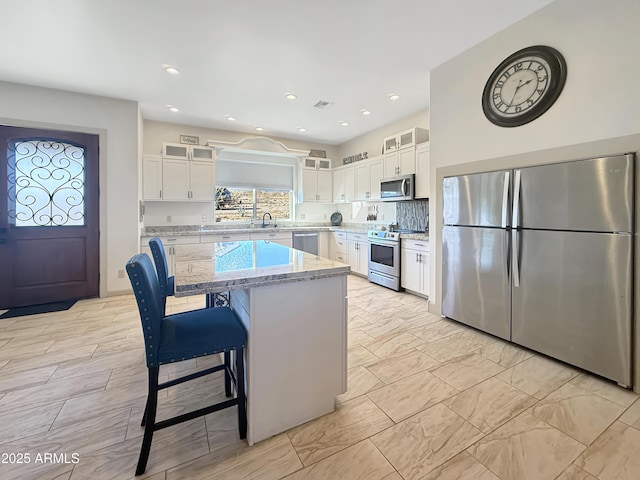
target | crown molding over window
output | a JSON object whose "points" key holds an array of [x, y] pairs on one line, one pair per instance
{"points": [[257, 145]]}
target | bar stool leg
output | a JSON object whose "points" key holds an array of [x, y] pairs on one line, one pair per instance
{"points": [[149, 419], [242, 400]]}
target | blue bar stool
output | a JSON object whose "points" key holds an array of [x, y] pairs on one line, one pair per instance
{"points": [[183, 336]]}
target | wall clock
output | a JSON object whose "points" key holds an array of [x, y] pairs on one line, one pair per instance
{"points": [[524, 86]]}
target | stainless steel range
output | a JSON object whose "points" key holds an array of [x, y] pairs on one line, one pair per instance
{"points": [[384, 258]]}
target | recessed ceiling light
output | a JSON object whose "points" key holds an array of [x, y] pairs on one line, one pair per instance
{"points": [[302, 130], [344, 124], [230, 118], [172, 108], [394, 96], [259, 129], [364, 111], [290, 96], [171, 70]]}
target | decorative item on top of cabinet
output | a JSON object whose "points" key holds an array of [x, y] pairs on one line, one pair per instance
{"points": [[423, 172], [317, 180], [414, 266]]}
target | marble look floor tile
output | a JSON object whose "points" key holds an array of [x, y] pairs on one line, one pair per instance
{"points": [[170, 446], [359, 382], [24, 423], [361, 461], [356, 336], [359, 355], [79, 367], [222, 432], [462, 343], [422, 319], [615, 455], [19, 380], [606, 389], [358, 321], [538, 376], [19, 351], [7, 334], [411, 395], [632, 415], [425, 441], [573, 472], [350, 423], [436, 330], [270, 459], [392, 369], [462, 466], [384, 325], [36, 361], [53, 391], [489, 404], [466, 371], [578, 413], [526, 448], [505, 354], [393, 343]]}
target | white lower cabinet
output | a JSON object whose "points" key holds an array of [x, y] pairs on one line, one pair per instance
{"points": [[414, 266], [338, 247], [358, 253], [168, 243], [283, 238], [225, 237]]}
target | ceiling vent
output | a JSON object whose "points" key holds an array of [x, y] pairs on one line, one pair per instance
{"points": [[322, 104]]}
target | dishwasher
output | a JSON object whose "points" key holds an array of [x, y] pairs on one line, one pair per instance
{"points": [[306, 241]]}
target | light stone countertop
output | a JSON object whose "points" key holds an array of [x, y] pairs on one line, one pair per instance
{"points": [[219, 267]]}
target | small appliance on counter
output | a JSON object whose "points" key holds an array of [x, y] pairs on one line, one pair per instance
{"points": [[336, 219]]}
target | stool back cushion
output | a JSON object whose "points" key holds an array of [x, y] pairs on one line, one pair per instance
{"points": [[150, 305], [160, 260]]}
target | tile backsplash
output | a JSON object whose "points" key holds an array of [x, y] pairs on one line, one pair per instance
{"points": [[413, 215]]}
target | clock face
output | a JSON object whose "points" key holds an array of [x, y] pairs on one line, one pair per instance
{"points": [[524, 86]]}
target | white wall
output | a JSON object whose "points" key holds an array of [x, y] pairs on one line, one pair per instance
{"points": [[117, 124], [372, 141]]}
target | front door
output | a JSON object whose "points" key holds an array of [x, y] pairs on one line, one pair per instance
{"points": [[49, 216]]}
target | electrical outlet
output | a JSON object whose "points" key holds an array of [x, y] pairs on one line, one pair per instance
{"points": [[383, 216], [325, 216], [168, 218], [120, 273], [303, 216], [204, 218]]}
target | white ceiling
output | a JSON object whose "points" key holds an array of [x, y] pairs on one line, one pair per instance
{"points": [[240, 57]]}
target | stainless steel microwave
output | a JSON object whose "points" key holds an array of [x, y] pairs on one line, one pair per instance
{"points": [[397, 188]]}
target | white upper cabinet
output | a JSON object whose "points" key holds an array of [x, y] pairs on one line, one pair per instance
{"points": [[152, 177], [343, 184], [367, 176], [405, 139], [401, 162], [184, 172], [317, 180], [423, 172], [179, 151]]}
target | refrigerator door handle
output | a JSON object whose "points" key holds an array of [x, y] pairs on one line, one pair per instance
{"points": [[507, 258], [516, 258], [505, 199], [516, 201]]}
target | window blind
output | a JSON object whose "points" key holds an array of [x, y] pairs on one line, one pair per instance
{"points": [[249, 174]]}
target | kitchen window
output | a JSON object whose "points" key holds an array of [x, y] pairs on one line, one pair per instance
{"points": [[250, 204], [246, 190]]}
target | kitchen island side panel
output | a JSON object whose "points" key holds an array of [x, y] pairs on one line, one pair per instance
{"points": [[296, 354]]}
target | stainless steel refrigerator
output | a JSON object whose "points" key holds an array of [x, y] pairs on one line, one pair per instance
{"points": [[542, 256]]}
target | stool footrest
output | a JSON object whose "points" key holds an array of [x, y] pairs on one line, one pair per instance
{"points": [[195, 414]]}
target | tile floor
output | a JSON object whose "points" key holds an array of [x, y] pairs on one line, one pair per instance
{"points": [[427, 399]]}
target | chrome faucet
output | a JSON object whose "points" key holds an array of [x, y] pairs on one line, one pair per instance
{"points": [[265, 224]]}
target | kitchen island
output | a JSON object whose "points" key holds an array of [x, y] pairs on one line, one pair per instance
{"points": [[294, 307]]}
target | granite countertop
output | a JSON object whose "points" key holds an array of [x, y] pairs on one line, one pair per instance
{"points": [[188, 230], [218, 267]]}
